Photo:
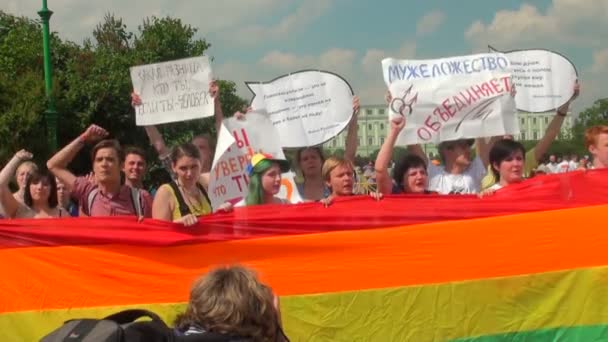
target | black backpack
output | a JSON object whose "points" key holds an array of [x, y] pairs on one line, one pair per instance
{"points": [[121, 327]]}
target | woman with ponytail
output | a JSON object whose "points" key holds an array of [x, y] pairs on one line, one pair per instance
{"points": [[264, 180]]}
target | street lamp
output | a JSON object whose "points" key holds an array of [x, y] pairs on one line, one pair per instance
{"points": [[51, 113]]}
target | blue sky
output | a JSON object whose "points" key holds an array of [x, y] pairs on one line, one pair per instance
{"points": [[261, 39]]}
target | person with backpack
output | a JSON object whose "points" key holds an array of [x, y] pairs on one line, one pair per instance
{"points": [[184, 199], [105, 196]]}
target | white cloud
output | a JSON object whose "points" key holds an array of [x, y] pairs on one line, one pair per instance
{"points": [[430, 23], [76, 19], [581, 23], [305, 14]]}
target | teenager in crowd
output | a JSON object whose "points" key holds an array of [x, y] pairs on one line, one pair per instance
{"points": [[310, 161], [184, 199], [134, 167], [231, 304], [39, 195], [410, 174], [596, 142], [105, 196], [265, 180]]}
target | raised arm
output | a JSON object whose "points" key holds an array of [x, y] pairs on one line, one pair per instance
{"points": [[352, 140], [482, 147], [58, 164], [214, 90], [383, 179], [156, 139], [9, 203], [554, 127]]}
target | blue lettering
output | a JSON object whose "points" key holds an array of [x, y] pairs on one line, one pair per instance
{"points": [[443, 65], [424, 70], [393, 73], [473, 65], [467, 67], [456, 67], [413, 72], [502, 62], [436, 70], [491, 63]]}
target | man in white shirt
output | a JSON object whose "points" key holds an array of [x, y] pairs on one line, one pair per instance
{"points": [[460, 174], [564, 165], [552, 164], [573, 163]]}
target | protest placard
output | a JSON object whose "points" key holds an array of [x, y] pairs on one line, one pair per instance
{"points": [[238, 140], [451, 98], [544, 79], [172, 91], [307, 107]]}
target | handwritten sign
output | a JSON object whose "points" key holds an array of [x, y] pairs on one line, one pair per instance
{"points": [[544, 79], [238, 140], [172, 91], [451, 98], [307, 107]]}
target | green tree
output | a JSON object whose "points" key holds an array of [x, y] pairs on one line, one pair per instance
{"points": [[597, 114]]}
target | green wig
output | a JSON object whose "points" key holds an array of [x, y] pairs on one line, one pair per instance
{"points": [[255, 195]]}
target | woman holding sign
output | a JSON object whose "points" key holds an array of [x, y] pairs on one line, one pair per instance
{"points": [[184, 199], [264, 180], [310, 161]]}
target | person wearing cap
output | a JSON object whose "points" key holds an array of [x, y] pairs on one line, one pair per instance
{"points": [[264, 180]]}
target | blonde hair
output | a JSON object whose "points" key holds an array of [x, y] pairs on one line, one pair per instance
{"points": [[231, 300], [333, 162]]}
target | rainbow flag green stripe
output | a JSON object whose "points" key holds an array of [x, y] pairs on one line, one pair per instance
{"points": [[572, 306]]}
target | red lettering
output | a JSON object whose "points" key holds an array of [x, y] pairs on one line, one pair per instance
{"points": [[237, 179], [243, 161], [445, 116], [232, 162], [435, 126], [470, 98], [486, 87], [507, 81], [478, 90], [459, 103], [427, 135], [225, 169], [496, 86], [449, 108]]}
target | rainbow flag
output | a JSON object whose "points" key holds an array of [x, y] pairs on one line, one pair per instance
{"points": [[528, 264]]}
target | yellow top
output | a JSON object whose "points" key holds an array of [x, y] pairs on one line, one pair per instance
{"points": [[197, 209], [530, 164]]}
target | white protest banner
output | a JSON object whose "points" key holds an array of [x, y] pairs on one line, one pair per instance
{"points": [[451, 98], [238, 140], [172, 91], [544, 79], [307, 107]]}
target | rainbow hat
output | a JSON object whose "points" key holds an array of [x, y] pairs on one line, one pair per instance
{"points": [[258, 157]]}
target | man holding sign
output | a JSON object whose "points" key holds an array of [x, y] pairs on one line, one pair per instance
{"points": [[452, 101]]}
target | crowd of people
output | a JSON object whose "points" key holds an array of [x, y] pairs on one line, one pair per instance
{"points": [[115, 185]]}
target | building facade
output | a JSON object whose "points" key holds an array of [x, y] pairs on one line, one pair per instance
{"points": [[374, 125]]}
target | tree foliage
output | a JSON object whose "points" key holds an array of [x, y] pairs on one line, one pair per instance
{"points": [[91, 82]]}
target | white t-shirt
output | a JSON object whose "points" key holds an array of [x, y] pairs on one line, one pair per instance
{"points": [[468, 182], [553, 167], [573, 166], [563, 166]]}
